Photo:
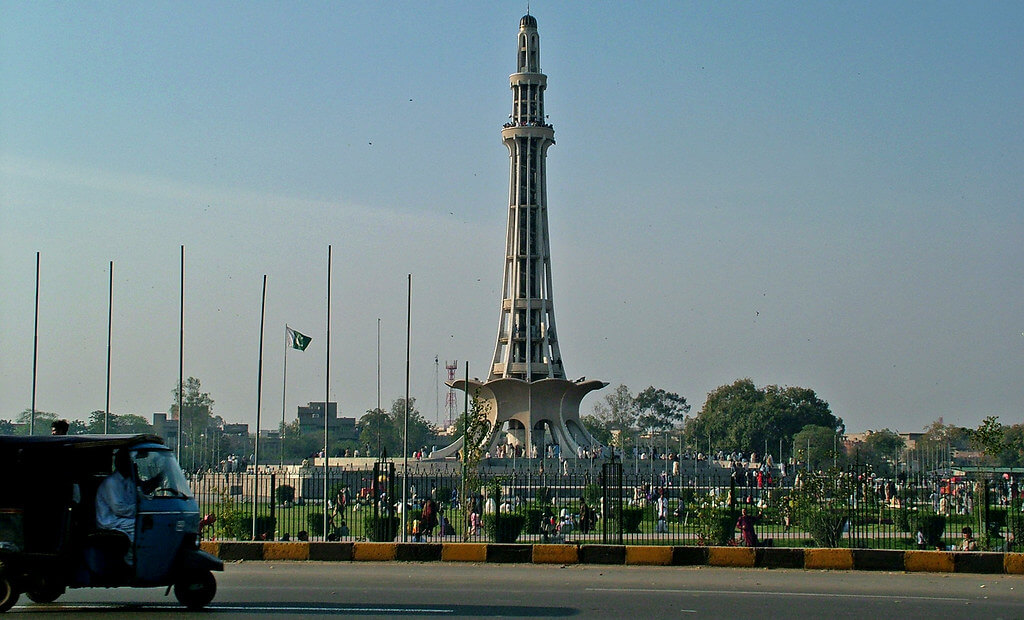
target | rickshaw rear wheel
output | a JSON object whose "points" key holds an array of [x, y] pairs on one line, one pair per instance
{"points": [[8, 594], [196, 590], [46, 593]]}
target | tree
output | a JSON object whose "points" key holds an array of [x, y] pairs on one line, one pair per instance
{"points": [[989, 437], [617, 411], [598, 429], [195, 418], [391, 426], [127, 423], [818, 446], [660, 410], [746, 418], [1013, 455], [420, 431], [42, 422], [193, 398], [298, 446], [881, 450], [376, 429]]}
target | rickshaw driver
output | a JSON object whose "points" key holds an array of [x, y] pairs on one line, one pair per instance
{"points": [[115, 500]]}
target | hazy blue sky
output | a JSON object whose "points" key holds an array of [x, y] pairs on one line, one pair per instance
{"points": [[822, 194]]}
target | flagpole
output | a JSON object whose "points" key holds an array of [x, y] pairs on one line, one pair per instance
{"points": [[110, 314], [378, 412], [327, 385], [259, 402], [284, 391], [35, 352], [405, 433], [181, 355]]}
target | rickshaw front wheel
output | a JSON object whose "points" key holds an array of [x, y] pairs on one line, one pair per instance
{"points": [[8, 594], [46, 593], [196, 590]]}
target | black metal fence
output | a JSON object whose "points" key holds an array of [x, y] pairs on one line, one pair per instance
{"points": [[605, 504]]}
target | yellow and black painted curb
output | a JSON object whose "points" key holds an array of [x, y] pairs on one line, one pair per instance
{"points": [[740, 557]]}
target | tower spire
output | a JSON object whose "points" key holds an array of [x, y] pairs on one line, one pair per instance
{"points": [[530, 404], [527, 346]]}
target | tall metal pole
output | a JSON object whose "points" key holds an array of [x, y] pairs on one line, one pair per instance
{"points": [[465, 442], [181, 355], [405, 432], [35, 355], [284, 391], [378, 412], [110, 314], [259, 403], [327, 386]]}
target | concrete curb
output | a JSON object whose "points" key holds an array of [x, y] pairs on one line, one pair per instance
{"points": [[463, 552], [505, 553], [736, 557], [649, 556], [633, 555], [556, 554], [374, 552], [879, 559], [928, 561], [779, 557], [828, 559], [602, 554], [286, 551]]}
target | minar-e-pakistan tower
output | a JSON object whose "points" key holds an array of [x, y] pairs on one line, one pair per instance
{"points": [[531, 401]]}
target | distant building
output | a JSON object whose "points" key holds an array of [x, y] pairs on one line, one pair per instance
{"points": [[311, 420], [236, 429], [909, 439], [167, 428]]}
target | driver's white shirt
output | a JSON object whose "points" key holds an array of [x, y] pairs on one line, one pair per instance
{"points": [[115, 504]]}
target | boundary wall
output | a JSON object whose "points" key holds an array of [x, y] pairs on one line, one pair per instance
{"points": [[738, 557]]}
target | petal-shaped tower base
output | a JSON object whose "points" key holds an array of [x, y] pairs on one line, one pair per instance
{"points": [[530, 414]]}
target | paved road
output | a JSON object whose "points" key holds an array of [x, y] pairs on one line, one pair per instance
{"points": [[447, 590]]}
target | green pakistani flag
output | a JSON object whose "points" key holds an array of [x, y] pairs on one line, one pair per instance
{"points": [[297, 340]]}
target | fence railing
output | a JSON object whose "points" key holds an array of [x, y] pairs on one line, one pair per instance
{"points": [[590, 506]]}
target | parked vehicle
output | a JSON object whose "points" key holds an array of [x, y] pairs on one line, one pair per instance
{"points": [[49, 540]]}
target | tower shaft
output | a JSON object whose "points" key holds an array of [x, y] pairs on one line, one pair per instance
{"points": [[527, 347]]}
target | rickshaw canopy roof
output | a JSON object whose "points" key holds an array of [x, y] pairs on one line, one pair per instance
{"points": [[50, 442]]}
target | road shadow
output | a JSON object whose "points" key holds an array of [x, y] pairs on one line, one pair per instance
{"points": [[303, 609]]}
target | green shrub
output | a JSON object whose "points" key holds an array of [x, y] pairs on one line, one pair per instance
{"points": [[533, 515], [504, 528], [265, 527], [381, 528], [902, 520], [631, 519], [315, 521], [1015, 526], [543, 495], [933, 526], [592, 494], [231, 522], [715, 525], [443, 495], [235, 524], [285, 493], [825, 525], [822, 505]]}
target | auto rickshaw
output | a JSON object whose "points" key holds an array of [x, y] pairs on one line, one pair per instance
{"points": [[49, 540]]}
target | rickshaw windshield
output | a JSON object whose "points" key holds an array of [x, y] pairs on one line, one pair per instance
{"points": [[159, 474]]}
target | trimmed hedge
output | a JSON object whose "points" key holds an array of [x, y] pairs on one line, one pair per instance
{"points": [[504, 528], [381, 529]]}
